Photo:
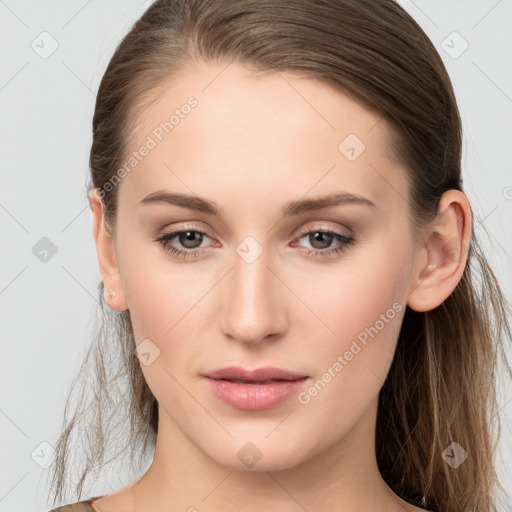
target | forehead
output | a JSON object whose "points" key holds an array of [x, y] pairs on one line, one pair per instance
{"points": [[226, 128]]}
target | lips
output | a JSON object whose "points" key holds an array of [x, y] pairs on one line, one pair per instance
{"points": [[258, 376], [254, 390]]}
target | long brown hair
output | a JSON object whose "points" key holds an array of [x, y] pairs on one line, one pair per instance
{"points": [[441, 387]]}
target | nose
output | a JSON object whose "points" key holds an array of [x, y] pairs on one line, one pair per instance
{"points": [[253, 302]]}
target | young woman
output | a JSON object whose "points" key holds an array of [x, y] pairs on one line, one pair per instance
{"points": [[297, 301]]}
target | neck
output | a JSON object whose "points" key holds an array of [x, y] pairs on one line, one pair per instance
{"points": [[344, 477]]}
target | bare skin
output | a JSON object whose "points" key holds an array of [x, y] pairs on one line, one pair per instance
{"points": [[253, 144]]}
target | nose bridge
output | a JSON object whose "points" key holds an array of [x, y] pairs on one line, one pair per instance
{"points": [[251, 311]]}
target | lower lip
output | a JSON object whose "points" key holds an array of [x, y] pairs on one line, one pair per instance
{"points": [[255, 397]]}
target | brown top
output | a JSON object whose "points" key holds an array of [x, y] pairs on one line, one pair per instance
{"points": [[81, 506]]}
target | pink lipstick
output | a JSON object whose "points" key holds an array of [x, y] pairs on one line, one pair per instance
{"points": [[254, 390]]}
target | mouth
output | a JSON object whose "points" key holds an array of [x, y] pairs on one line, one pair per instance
{"points": [[254, 390]]}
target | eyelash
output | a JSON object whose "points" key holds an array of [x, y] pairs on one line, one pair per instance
{"points": [[345, 241]]}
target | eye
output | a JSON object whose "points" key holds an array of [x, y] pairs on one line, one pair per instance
{"points": [[191, 239], [321, 240]]}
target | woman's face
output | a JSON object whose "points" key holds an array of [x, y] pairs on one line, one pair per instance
{"points": [[263, 282]]}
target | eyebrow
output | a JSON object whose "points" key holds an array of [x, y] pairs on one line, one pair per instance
{"points": [[290, 209]]}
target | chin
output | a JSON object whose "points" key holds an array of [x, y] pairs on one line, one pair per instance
{"points": [[255, 453]]}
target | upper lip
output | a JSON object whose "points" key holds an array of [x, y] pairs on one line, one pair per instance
{"points": [[259, 374]]}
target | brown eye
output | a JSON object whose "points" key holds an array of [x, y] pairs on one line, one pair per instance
{"points": [[189, 240], [184, 243], [320, 239], [321, 242]]}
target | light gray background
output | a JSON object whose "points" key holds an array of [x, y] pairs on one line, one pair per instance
{"points": [[46, 107]]}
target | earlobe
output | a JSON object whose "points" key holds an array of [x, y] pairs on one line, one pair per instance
{"points": [[446, 244], [105, 250]]}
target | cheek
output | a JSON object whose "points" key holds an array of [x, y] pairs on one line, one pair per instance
{"points": [[358, 315], [364, 311], [164, 300], [170, 304], [159, 291]]}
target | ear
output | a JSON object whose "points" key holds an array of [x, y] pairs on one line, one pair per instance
{"points": [[445, 249], [105, 250]]}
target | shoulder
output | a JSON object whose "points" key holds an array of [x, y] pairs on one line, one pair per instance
{"points": [[80, 506]]}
